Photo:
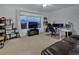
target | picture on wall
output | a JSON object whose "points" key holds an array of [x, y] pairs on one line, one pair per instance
{"points": [[45, 23], [23, 22]]}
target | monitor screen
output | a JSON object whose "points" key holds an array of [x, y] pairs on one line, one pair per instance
{"points": [[33, 25], [58, 25]]}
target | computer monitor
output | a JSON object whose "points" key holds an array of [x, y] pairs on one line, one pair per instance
{"points": [[33, 25], [58, 25]]}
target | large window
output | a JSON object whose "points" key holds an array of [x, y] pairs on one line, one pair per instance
{"points": [[33, 22]]}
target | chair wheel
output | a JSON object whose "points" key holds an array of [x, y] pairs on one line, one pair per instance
{"points": [[1, 45]]}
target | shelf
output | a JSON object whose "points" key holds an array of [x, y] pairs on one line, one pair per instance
{"points": [[2, 24], [2, 31], [8, 33], [2, 27], [8, 29], [8, 36], [9, 24], [2, 37], [13, 35], [2, 20], [8, 20]]}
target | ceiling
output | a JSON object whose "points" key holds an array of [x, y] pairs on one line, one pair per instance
{"points": [[39, 7]]}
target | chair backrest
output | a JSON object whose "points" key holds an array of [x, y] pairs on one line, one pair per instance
{"points": [[50, 27]]}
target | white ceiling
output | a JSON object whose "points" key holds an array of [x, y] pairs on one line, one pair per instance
{"points": [[39, 7]]}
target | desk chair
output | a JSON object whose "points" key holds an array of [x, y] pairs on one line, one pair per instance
{"points": [[51, 29]]}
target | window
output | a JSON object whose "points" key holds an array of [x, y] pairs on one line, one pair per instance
{"points": [[35, 19], [23, 21]]}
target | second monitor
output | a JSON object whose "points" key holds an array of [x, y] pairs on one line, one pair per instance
{"points": [[58, 25]]}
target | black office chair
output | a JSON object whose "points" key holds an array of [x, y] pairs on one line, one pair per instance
{"points": [[51, 29]]}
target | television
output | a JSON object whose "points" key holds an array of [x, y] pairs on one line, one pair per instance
{"points": [[33, 25]]}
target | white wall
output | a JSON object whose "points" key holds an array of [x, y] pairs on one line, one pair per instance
{"points": [[63, 15], [12, 13], [66, 14]]}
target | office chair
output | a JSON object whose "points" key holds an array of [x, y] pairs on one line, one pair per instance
{"points": [[51, 29]]}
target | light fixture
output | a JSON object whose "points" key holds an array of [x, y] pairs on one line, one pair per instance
{"points": [[45, 5]]}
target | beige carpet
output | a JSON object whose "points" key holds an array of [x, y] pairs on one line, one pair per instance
{"points": [[27, 45]]}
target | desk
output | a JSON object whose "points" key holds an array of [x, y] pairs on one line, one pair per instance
{"points": [[63, 30]]}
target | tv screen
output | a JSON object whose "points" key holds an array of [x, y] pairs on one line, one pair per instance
{"points": [[58, 25], [33, 25]]}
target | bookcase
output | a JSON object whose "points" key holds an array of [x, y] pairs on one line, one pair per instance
{"points": [[11, 32], [2, 31], [8, 28], [7, 31]]}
